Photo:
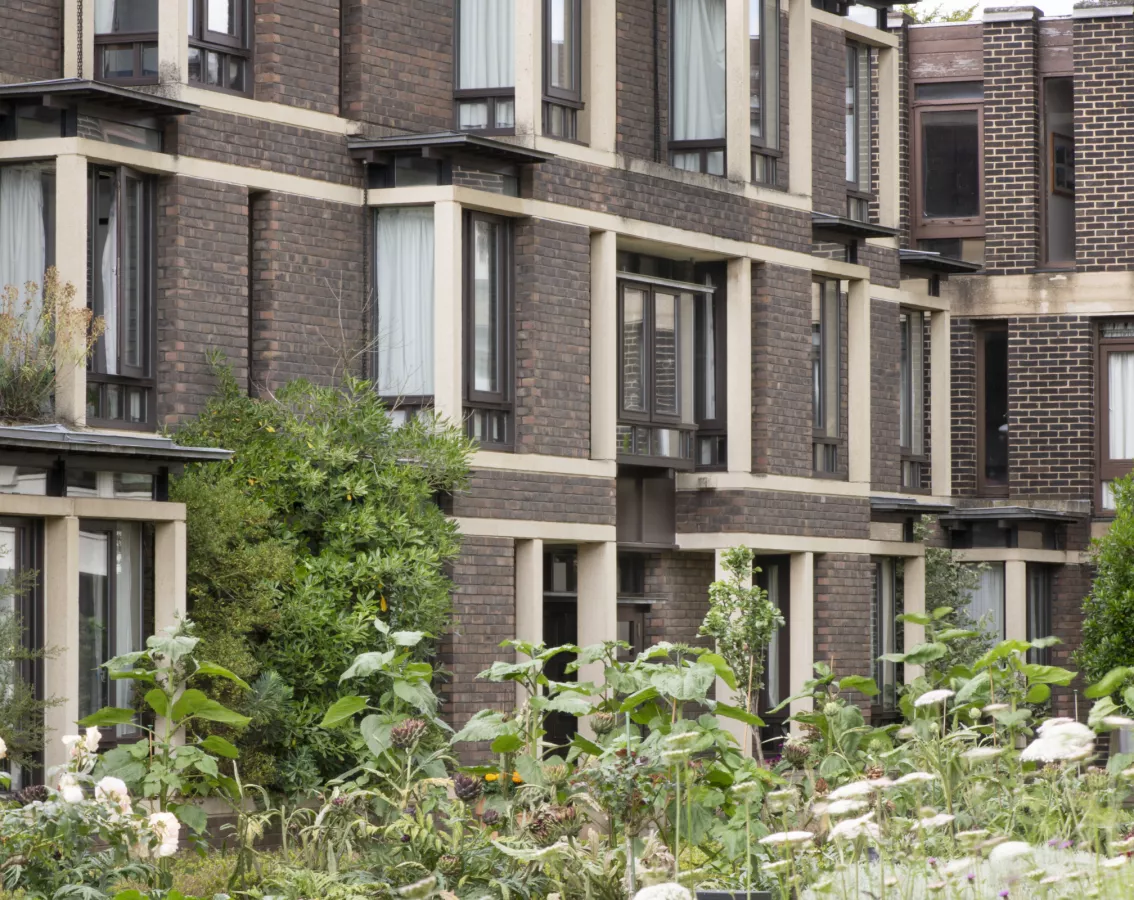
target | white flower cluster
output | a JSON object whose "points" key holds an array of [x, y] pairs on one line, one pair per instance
{"points": [[667, 891], [1060, 740]]}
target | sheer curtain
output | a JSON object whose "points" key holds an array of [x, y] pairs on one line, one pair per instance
{"points": [[1121, 374], [986, 601], [772, 662], [405, 302], [127, 609], [486, 44], [698, 69], [104, 16], [22, 248], [109, 339]]}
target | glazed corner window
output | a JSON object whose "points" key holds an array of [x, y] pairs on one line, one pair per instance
{"points": [[120, 382], [126, 50], [27, 209], [858, 142], [764, 87], [563, 67], [825, 375], [912, 398], [402, 360], [697, 84], [992, 410], [219, 44], [886, 631], [488, 330], [1059, 198], [1116, 389], [486, 92]]}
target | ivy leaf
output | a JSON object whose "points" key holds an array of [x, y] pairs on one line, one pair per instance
{"points": [[343, 709]]}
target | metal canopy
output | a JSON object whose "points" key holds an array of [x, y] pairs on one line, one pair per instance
{"points": [[59, 440], [842, 228], [922, 263], [66, 92], [443, 145]]}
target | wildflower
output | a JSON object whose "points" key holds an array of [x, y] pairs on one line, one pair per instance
{"points": [[603, 723], [74, 745], [408, 733], [859, 788], [112, 791], [841, 807], [465, 788], [747, 791], [906, 733], [668, 891], [491, 777], [166, 827], [915, 778], [992, 708], [1118, 722], [683, 740], [1116, 862], [980, 754], [1065, 741], [959, 867], [974, 713], [1052, 879], [776, 867], [1059, 722], [419, 890], [972, 837], [796, 753], [936, 886], [891, 881], [1003, 893], [778, 801], [70, 790], [1008, 851], [91, 740], [938, 821], [788, 838], [516, 779], [1124, 845], [931, 698], [852, 829]]}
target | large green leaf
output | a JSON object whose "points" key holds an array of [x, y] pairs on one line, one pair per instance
{"points": [[418, 695], [859, 683], [1002, 651], [343, 709], [572, 704], [975, 690], [408, 638], [1038, 693], [638, 698], [833, 766], [684, 684], [217, 712], [213, 670], [1109, 683], [158, 701], [915, 618], [108, 715], [1038, 674], [367, 664], [375, 731], [956, 634], [188, 703], [738, 714], [925, 653], [722, 668], [214, 743], [509, 742], [193, 816], [486, 725]]}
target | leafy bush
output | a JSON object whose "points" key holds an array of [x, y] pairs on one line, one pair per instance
{"points": [[324, 520], [21, 710]]}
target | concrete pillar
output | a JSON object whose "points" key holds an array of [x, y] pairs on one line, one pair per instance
{"points": [[529, 596], [173, 41], [169, 574], [889, 210], [447, 318], [597, 608], [940, 380], [738, 322], [914, 602], [604, 344], [723, 692], [71, 263], [802, 637], [78, 39], [1016, 600], [61, 631], [738, 146], [799, 77], [858, 378], [528, 67], [600, 79]]}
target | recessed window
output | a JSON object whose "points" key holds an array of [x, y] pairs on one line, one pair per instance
{"points": [[485, 91], [764, 87], [773, 575], [1059, 205], [826, 375], [220, 44], [886, 631], [23, 480], [126, 50], [951, 146], [1116, 398], [857, 123], [488, 287], [992, 410], [563, 67], [986, 600], [27, 209], [912, 397], [1039, 611], [697, 85], [110, 485], [21, 596]]}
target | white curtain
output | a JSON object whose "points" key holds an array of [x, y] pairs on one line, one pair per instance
{"points": [[405, 302], [772, 663], [486, 43], [127, 608], [986, 601], [110, 292], [22, 247], [698, 69], [1121, 375], [104, 16]]}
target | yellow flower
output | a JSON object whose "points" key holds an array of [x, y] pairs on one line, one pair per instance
{"points": [[516, 779], [491, 776]]}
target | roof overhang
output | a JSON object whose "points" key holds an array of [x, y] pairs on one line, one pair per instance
{"points": [[445, 145], [841, 229], [1005, 516], [908, 506], [44, 445], [926, 264], [69, 93]]}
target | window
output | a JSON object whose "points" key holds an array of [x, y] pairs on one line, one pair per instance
{"points": [[485, 95], [115, 609], [773, 576], [710, 377], [126, 50], [826, 375], [886, 631], [488, 330], [121, 291], [1059, 205], [219, 44], [992, 410], [563, 67], [1116, 389], [764, 87], [27, 227], [20, 599], [949, 168], [912, 400], [560, 626], [1039, 611], [110, 485], [858, 144], [697, 82], [403, 311], [986, 600]]}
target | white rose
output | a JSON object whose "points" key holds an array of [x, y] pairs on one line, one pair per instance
{"points": [[3, 749], [92, 739], [167, 829], [112, 791], [70, 789], [74, 745]]}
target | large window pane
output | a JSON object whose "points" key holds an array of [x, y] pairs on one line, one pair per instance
{"points": [[404, 326], [1039, 610], [486, 307], [1120, 372], [665, 354], [26, 211], [951, 157], [633, 350], [857, 116], [133, 273], [221, 17], [485, 46], [561, 26], [126, 16], [994, 394], [912, 400], [698, 78], [986, 600]]}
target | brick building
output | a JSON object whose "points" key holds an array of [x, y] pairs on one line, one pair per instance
{"points": [[647, 251]]}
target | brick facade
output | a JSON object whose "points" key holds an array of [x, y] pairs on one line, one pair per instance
{"points": [[772, 512], [964, 406], [679, 582], [828, 135], [501, 494], [297, 53], [31, 41], [885, 396], [643, 78], [843, 583]]}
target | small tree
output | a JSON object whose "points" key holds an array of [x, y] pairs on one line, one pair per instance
{"points": [[742, 620]]}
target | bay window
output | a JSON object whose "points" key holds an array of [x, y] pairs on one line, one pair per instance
{"points": [[764, 87], [403, 312], [1116, 400], [485, 94], [126, 50], [697, 80], [488, 335], [912, 397], [27, 228], [563, 67], [858, 133], [220, 44], [120, 378], [826, 374]]}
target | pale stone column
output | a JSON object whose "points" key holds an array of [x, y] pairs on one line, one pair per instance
{"points": [[61, 632], [71, 263], [738, 325], [169, 574], [799, 77], [604, 345], [738, 137], [888, 145], [597, 607], [173, 41], [78, 39], [529, 596], [447, 318], [724, 693], [914, 602], [940, 430], [600, 80], [528, 69], [1016, 600], [802, 637], [858, 380]]}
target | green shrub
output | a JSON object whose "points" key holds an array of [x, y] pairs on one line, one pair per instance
{"points": [[1108, 623]]}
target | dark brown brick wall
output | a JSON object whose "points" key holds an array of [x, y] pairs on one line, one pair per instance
{"points": [[553, 341], [883, 262], [679, 582], [828, 122], [1104, 142], [1011, 146], [772, 512], [297, 53], [31, 40], [885, 396], [640, 132], [843, 584], [781, 371], [963, 389], [309, 289], [398, 63], [202, 296], [1070, 586], [528, 495]]}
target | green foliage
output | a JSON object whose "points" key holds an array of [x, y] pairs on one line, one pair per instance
{"points": [[21, 711], [1108, 611], [925, 15], [324, 520]]}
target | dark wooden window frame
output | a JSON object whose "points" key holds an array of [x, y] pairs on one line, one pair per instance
{"points": [[984, 488], [570, 101], [1047, 161], [139, 42], [917, 423], [237, 47], [762, 146], [491, 96], [143, 378], [820, 436], [716, 427], [864, 101], [1039, 655], [702, 147], [774, 721], [1108, 469], [881, 712], [501, 401]]}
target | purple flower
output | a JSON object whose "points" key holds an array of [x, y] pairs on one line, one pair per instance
{"points": [[1003, 893], [932, 862], [1065, 845], [1053, 842], [971, 877]]}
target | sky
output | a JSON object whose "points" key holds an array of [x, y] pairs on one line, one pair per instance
{"points": [[1049, 7]]}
